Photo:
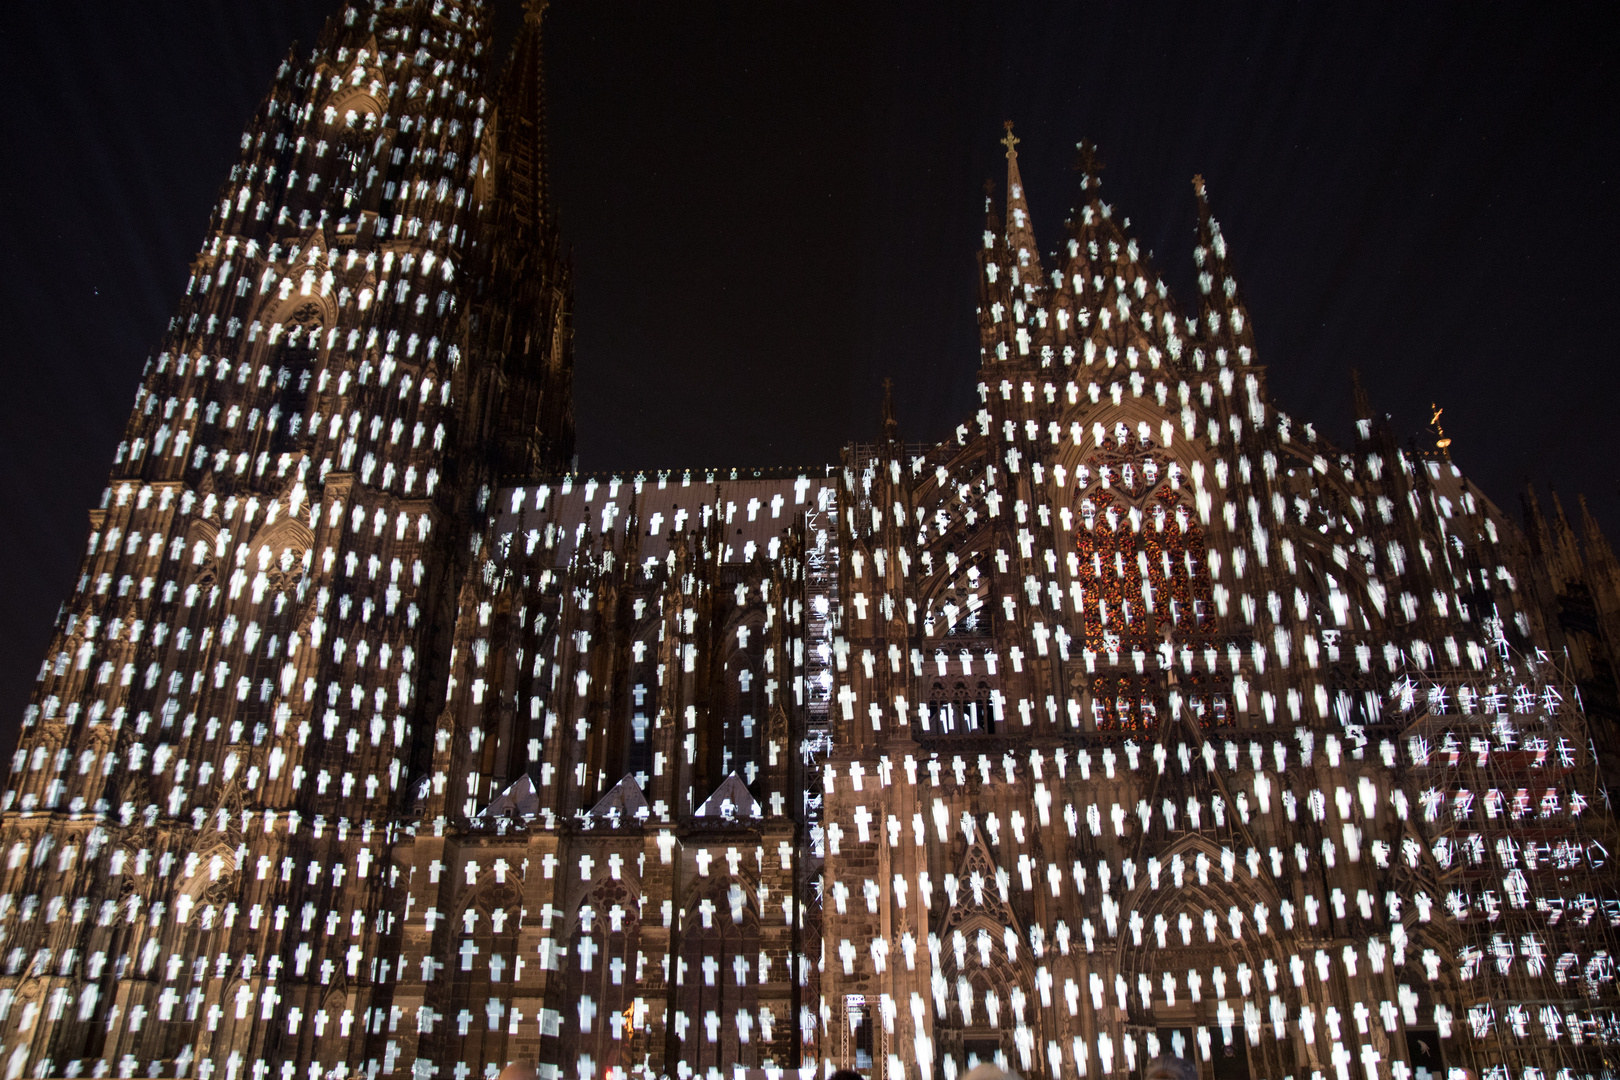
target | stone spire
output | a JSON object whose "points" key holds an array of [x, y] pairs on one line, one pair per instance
{"points": [[1223, 323], [1108, 305], [891, 426], [1027, 281], [521, 124], [1359, 402], [995, 293], [1535, 526], [530, 299], [1095, 240], [1569, 550], [1597, 545], [1603, 570], [1089, 166]]}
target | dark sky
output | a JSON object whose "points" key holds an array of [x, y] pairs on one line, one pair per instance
{"points": [[773, 206]]}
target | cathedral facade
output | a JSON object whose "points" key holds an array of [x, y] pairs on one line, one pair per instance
{"points": [[1134, 717]]}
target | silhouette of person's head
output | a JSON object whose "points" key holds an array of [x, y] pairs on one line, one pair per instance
{"points": [[1169, 1067]]}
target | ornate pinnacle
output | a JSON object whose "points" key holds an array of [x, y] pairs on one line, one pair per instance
{"points": [[1358, 396], [1441, 442], [1011, 140], [1085, 158]]}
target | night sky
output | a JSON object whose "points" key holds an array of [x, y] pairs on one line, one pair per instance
{"points": [[773, 206]]}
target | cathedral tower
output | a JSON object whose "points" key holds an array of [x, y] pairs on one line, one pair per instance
{"points": [[375, 327]]}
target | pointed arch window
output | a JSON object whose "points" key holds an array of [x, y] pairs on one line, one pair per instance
{"points": [[718, 1019], [1140, 560], [482, 955], [604, 1017]]}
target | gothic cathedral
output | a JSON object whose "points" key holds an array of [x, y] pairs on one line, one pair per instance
{"points": [[1134, 718]]}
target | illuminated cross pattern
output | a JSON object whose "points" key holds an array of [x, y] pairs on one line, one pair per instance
{"points": [[1131, 717]]}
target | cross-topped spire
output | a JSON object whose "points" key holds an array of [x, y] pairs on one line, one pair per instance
{"points": [[1442, 443], [1025, 280], [1011, 140], [1086, 160]]}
